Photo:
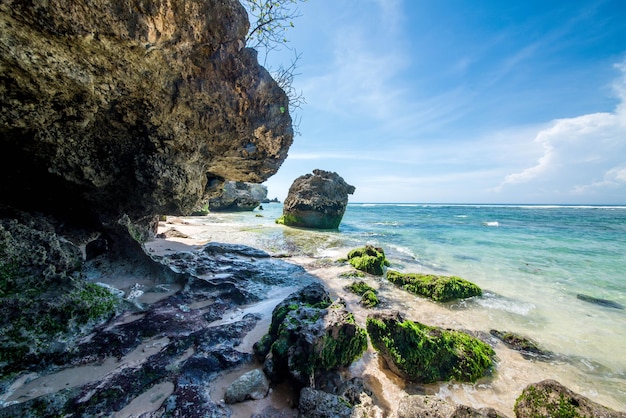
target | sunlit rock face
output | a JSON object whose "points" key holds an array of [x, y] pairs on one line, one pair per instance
{"points": [[114, 108], [316, 201]]}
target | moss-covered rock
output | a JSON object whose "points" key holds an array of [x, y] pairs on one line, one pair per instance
{"points": [[551, 399], [310, 335], [425, 354], [369, 259], [369, 299], [44, 301], [352, 274], [368, 295], [438, 288]]}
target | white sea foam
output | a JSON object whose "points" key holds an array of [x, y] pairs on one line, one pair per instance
{"points": [[492, 223], [493, 301]]}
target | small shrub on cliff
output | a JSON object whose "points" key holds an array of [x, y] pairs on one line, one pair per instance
{"points": [[438, 288], [425, 354], [369, 259]]}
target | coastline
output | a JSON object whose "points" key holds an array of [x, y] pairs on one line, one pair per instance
{"points": [[499, 391], [299, 258]]}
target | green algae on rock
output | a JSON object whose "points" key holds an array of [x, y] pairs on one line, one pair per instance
{"points": [[438, 288], [367, 293], [426, 354], [369, 259], [44, 300], [309, 335], [549, 398]]}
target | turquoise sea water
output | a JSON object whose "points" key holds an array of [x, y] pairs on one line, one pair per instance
{"points": [[532, 262]]}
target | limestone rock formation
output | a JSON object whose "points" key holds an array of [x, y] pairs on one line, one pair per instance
{"points": [[316, 200], [113, 112], [238, 196], [112, 109]]}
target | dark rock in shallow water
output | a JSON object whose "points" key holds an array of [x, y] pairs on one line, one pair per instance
{"points": [[549, 398], [597, 301], [316, 200], [524, 345]]}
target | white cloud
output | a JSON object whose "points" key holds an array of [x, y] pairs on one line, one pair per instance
{"points": [[580, 154]]}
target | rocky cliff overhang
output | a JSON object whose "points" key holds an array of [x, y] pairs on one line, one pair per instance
{"points": [[112, 109]]}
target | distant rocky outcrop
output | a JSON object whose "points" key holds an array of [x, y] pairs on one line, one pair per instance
{"points": [[238, 196], [132, 109], [316, 200]]}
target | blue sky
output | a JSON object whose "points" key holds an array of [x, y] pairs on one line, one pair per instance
{"points": [[461, 101]]}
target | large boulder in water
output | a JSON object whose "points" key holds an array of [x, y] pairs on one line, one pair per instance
{"points": [[238, 196], [316, 200]]}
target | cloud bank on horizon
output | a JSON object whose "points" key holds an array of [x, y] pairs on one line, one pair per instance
{"points": [[461, 102]]}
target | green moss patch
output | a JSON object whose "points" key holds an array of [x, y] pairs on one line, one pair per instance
{"points": [[425, 354], [33, 321], [369, 259], [438, 288], [368, 293]]}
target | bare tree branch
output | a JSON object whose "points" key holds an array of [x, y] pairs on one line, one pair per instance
{"points": [[270, 20]]}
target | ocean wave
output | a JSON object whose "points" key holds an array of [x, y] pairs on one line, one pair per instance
{"points": [[493, 301], [492, 223]]}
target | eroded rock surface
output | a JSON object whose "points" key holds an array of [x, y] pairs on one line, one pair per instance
{"points": [[237, 196], [185, 340], [135, 108], [316, 200]]}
